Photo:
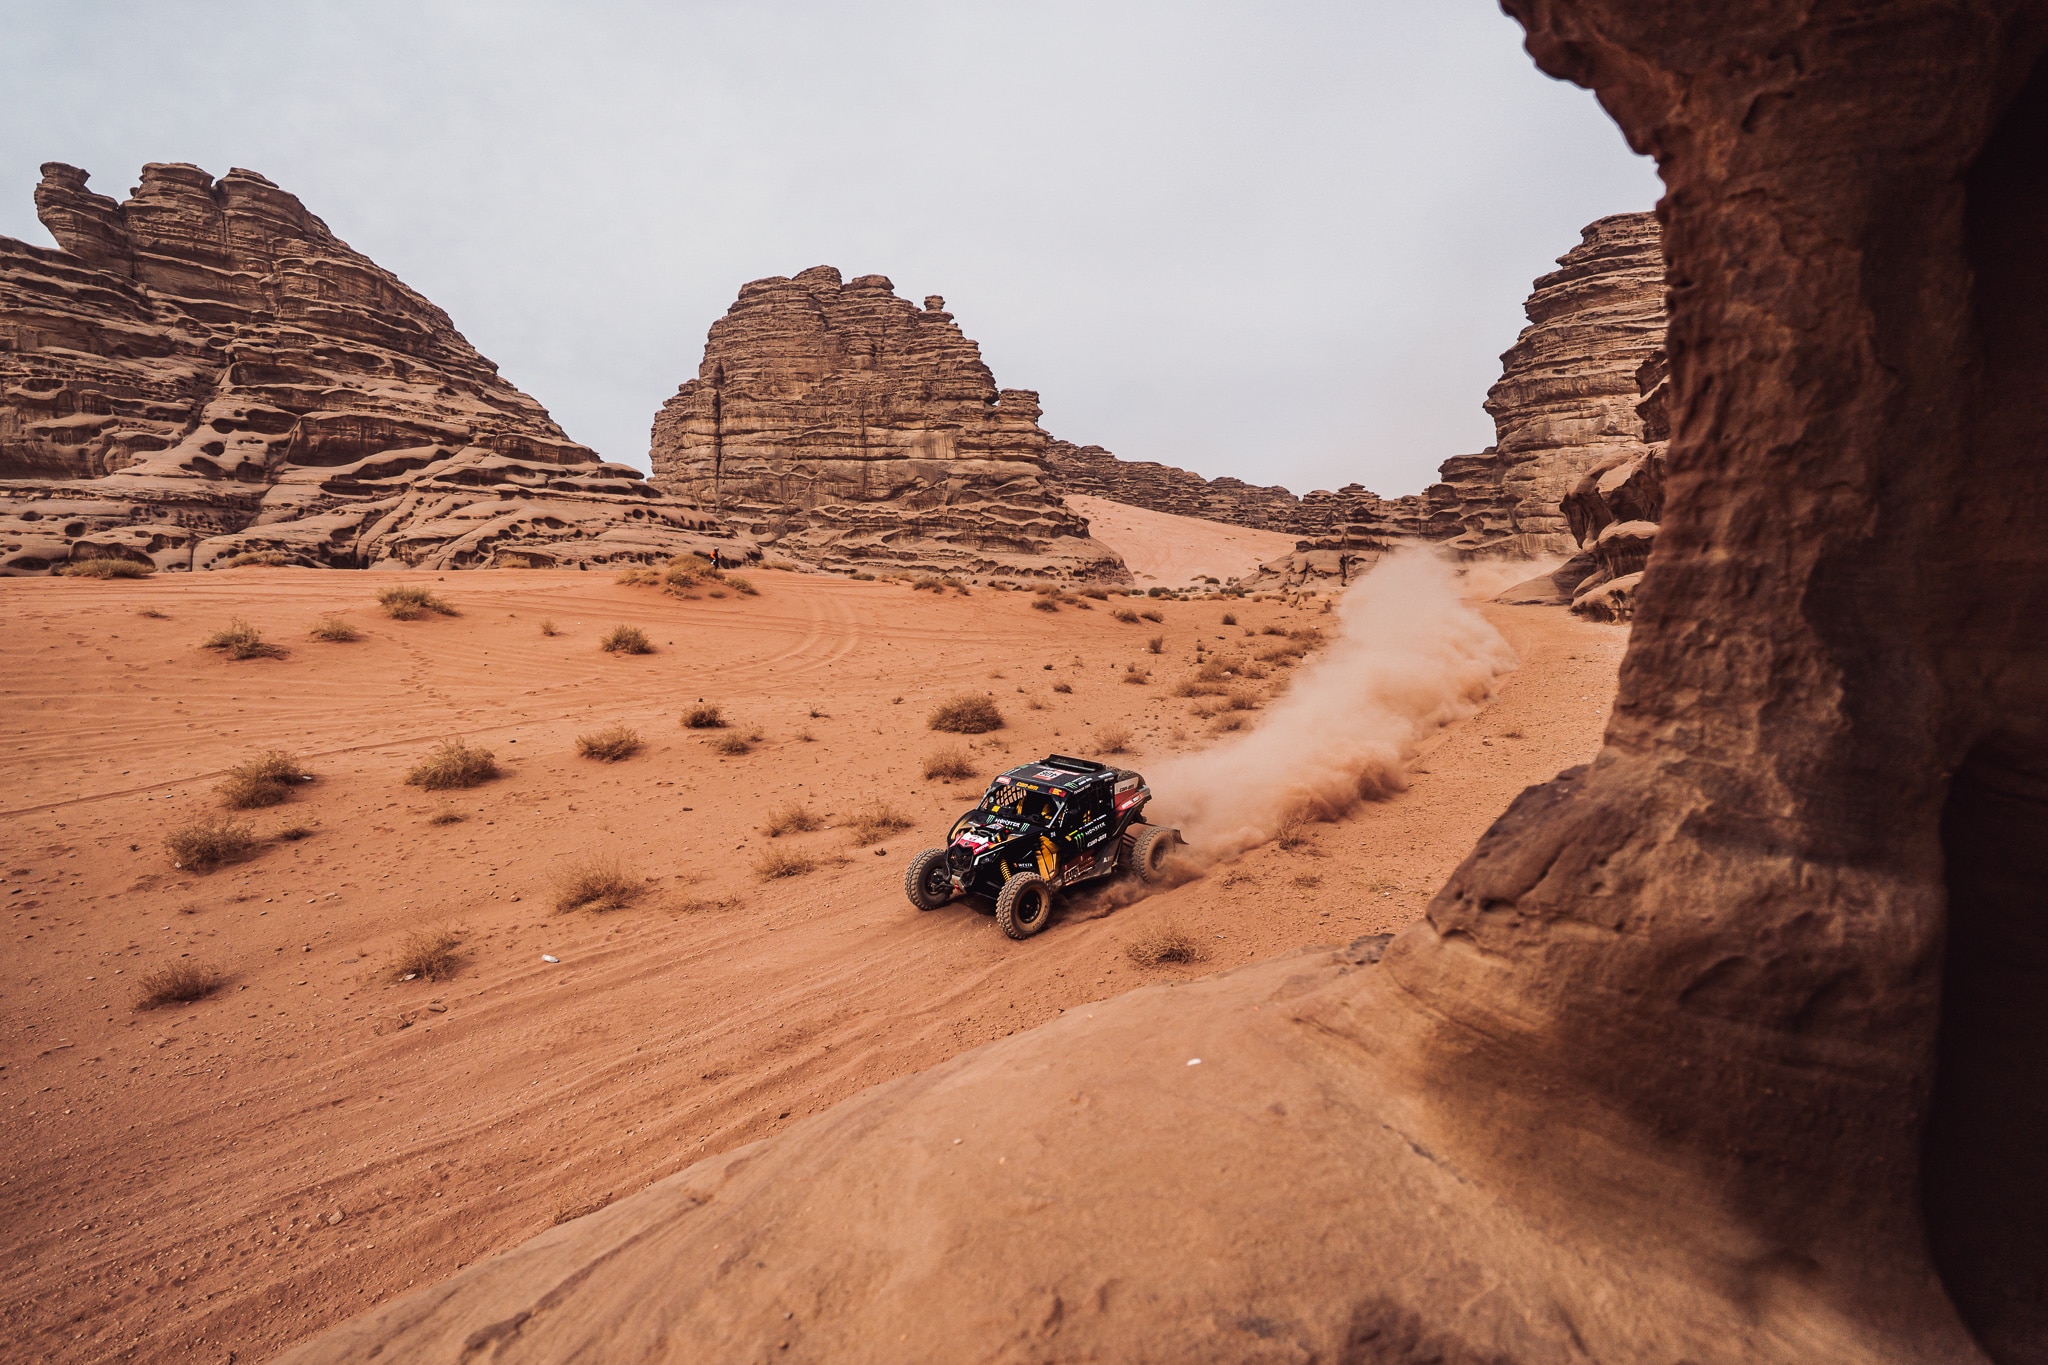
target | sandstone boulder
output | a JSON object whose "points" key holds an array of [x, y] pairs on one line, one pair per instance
{"points": [[848, 427], [206, 370]]}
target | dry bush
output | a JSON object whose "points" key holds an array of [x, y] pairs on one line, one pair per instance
{"points": [[639, 576], [1229, 618], [1135, 674], [597, 883], [1243, 699], [153, 614], [207, 844], [1229, 721], [1307, 880], [403, 602], [862, 577], [699, 905], [969, 713], [1116, 739], [258, 559], [1156, 645], [1511, 734], [179, 983], [626, 640], [1167, 943], [334, 631], [291, 834], [1295, 834], [1202, 710], [741, 586], [1044, 604], [791, 819], [1066, 688], [783, 862], [454, 764], [1153, 616], [1272, 630], [875, 822], [266, 780], [1099, 594], [426, 954], [704, 717], [610, 744], [948, 764], [927, 584], [446, 817], [1199, 686], [106, 566], [1126, 615], [734, 743], [547, 627], [242, 641]]}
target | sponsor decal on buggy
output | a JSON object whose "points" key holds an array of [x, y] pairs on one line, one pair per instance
{"points": [[1081, 867], [1125, 800]]}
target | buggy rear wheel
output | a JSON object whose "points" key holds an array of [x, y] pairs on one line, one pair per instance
{"points": [[1149, 849], [1025, 905], [928, 881]]}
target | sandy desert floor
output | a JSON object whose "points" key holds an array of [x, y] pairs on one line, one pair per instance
{"points": [[217, 1180], [1178, 552]]}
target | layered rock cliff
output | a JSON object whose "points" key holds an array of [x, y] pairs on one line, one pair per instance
{"points": [[206, 370], [848, 426]]}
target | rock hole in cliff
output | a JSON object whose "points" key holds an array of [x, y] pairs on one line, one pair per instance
{"points": [[1984, 1165]]}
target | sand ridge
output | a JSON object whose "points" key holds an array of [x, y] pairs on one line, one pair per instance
{"points": [[184, 1205]]}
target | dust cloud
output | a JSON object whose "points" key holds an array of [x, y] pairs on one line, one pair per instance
{"points": [[1409, 657]]}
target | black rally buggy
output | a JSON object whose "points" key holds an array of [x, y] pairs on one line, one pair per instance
{"points": [[1039, 828]]}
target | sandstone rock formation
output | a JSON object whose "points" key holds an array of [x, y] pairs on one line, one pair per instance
{"points": [[206, 370], [1727, 1047], [849, 427]]}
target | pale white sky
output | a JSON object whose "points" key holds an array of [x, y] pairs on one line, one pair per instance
{"points": [[1285, 241]]}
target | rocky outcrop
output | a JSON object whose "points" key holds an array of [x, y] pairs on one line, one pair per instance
{"points": [[205, 370], [849, 427], [1728, 1047]]}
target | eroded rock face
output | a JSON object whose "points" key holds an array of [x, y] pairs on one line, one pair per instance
{"points": [[849, 427], [1706, 1046], [206, 370]]}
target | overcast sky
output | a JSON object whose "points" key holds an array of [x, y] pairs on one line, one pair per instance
{"points": [[1284, 241]]}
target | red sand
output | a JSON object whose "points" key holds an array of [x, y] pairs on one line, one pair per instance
{"points": [[173, 1175]]}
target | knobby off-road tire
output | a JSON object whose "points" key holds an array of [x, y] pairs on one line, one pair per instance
{"points": [[1025, 905], [928, 881], [1149, 847]]}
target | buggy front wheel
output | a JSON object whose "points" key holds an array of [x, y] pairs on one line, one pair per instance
{"points": [[1025, 905], [928, 881]]}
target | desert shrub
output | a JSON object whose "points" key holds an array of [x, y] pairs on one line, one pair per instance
{"points": [[257, 559], [783, 862], [1099, 594], [791, 819], [863, 577], [1045, 604], [106, 566], [639, 576], [1150, 615], [207, 844], [734, 743], [597, 883], [446, 817], [179, 983], [1135, 674], [1115, 739], [1063, 687], [1229, 618], [1272, 630], [547, 627], [741, 586], [334, 631], [969, 713], [1198, 686], [426, 954], [1167, 943], [291, 834], [876, 821], [1229, 721], [265, 780], [704, 717], [243, 641], [626, 640], [1126, 615], [153, 614], [948, 764], [1156, 645], [1243, 699], [1294, 834], [403, 602], [1159, 592], [610, 744], [455, 764], [927, 584]]}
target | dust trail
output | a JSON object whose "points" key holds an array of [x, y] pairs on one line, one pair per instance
{"points": [[1410, 657]]}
